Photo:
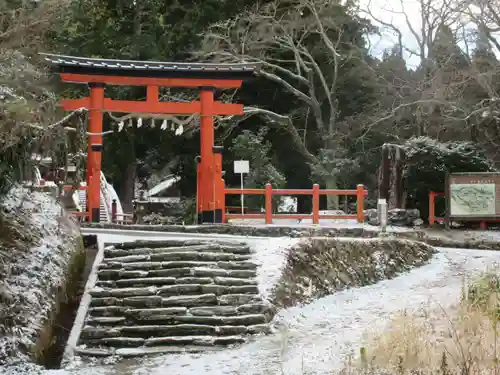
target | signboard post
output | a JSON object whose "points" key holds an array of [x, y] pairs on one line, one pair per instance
{"points": [[241, 167], [382, 214]]}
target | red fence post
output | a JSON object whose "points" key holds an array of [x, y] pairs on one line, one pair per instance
{"points": [[360, 203], [269, 203], [113, 211], [315, 204], [432, 208]]}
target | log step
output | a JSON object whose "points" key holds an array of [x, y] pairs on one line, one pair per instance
{"points": [[175, 243], [195, 340], [241, 250], [145, 281], [179, 256], [164, 320], [122, 274], [151, 265], [214, 310], [95, 335], [174, 290]]}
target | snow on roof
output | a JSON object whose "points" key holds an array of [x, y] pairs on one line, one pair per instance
{"points": [[163, 185], [41, 159]]}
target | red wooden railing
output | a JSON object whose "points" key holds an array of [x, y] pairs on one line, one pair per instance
{"points": [[360, 192], [432, 208]]}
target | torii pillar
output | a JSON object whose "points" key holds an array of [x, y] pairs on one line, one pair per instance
{"points": [[94, 150], [209, 210]]}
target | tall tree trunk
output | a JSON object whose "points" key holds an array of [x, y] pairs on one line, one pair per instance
{"points": [[127, 183], [385, 174], [127, 190], [332, 201]]}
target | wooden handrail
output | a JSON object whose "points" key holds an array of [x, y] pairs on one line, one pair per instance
{"points": [[70, 187]]}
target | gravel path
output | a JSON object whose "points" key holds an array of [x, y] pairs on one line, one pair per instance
{"points": [[315, 339]]}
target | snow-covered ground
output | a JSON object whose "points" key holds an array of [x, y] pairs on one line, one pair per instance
{"points": [[328, 223], [465, 235], [314, 339], [318, 337]]}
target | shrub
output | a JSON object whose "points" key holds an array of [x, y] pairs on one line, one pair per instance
{"points": [[428, 161]]}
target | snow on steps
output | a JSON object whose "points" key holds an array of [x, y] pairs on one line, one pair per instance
{"points": [[173, 296]]}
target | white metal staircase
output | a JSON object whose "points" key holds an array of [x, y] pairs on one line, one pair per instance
{"points": [[104, 216], [107, 195]]}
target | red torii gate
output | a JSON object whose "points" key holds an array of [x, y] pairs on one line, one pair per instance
{"points": [[98, 73]]}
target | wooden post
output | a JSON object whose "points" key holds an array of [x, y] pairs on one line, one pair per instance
{"points": [[360, 203], [385, 174], [399, 184], [269, 203], [198, 194], [432, 208], [94, 156], [113, 211], [223, 202], [207, 172], [447, 198], [315, 204], [219, 190]]}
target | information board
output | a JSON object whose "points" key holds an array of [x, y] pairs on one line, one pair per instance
{"points": [[473, 195]]}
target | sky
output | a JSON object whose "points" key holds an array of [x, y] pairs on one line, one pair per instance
{"points": [[391, 11]]}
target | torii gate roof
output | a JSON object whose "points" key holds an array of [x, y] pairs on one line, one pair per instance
{"points": [[151, 69]]}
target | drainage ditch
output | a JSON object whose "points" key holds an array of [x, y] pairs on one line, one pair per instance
{"points": [[54, 336]]}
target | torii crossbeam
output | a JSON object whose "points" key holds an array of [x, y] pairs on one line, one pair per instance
{"points": [[98, 73]]}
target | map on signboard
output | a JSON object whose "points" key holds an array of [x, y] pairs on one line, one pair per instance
{"points": [[472, 200]]}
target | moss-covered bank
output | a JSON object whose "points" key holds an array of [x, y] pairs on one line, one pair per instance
{"points": [[51, 342], [321, 266]]}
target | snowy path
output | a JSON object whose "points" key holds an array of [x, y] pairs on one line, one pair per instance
{"points": [[320, 335]]}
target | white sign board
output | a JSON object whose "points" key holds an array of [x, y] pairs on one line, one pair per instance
{"points": [[382, 214], [241, 166]]}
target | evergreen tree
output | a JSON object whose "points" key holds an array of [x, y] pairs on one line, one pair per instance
{"points": [[143, 30], [447, 56], [484, 84], [483, 58]]}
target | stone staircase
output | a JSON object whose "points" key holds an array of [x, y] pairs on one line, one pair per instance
{"points": [[173, 296]]}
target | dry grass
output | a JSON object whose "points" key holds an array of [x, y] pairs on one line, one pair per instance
{"points": [[462, 340]]}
